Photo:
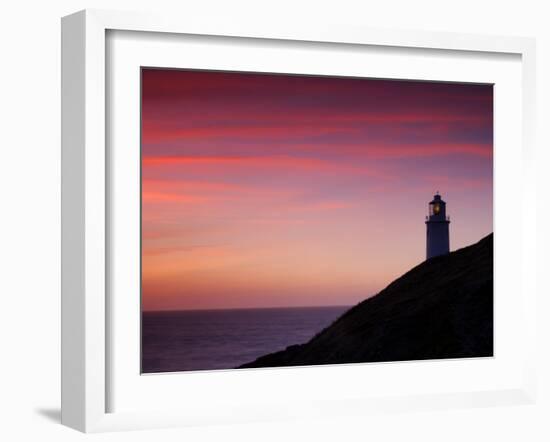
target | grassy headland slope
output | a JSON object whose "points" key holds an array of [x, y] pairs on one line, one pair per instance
{"points": [[442, 308]]}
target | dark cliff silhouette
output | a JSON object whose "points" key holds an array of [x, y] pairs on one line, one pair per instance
{"points": [[442, 308]]}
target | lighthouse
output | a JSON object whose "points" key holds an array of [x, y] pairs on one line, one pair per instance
{"points": [[437, 228]]}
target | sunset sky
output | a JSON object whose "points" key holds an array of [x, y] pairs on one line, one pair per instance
{"points": [[277, 190]]}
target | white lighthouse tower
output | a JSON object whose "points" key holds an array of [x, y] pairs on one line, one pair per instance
{"points": [[437, 228]]}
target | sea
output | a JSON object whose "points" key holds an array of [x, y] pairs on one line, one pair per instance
{"points": [[193, 340]]}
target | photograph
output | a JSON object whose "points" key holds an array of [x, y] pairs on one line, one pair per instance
{"points": [[292, 220]]}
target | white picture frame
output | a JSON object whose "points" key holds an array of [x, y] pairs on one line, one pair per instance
{"points": [[86, 317]]}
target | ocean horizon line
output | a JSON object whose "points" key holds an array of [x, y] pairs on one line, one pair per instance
{"points": [[247, 308]]}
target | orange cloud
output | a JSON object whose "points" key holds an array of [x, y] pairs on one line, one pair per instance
{"points": [[156, 197]]}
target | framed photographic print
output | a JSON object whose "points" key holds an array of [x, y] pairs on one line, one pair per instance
{"points": [[263, 223]]}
